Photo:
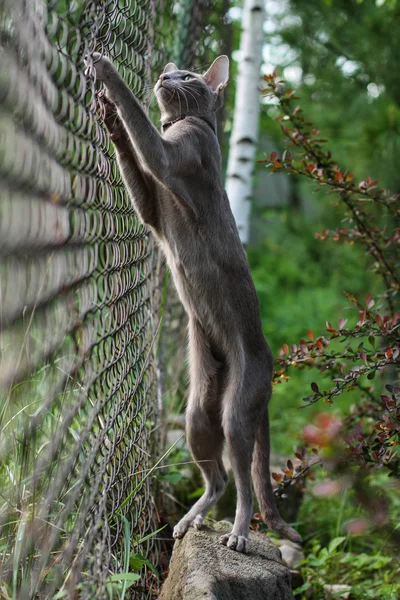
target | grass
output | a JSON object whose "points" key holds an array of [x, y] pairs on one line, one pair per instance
{"points": [[44, 517]]}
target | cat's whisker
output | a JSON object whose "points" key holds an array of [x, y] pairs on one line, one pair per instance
{"points": [[173, 94], [149, 97], [180, 105], [192, 89], [183, 93], [198, 69], [151, 100], [194, 98]]}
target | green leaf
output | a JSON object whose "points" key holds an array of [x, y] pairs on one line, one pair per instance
{"points": [[129, 577], [302, 588], [136, 562], [150, 535], [196, 493], [61, 594], [149, 472], [171, 476], [335, 543]]}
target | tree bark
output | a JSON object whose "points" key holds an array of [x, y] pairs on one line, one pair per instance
{"points": [[243, 142]]}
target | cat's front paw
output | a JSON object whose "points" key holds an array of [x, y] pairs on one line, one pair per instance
{"points": [[109, 114], [102, 65]]}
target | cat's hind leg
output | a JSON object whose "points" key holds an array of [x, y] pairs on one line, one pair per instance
{"points": [[203, 428], [244, 394], [205, 440]]}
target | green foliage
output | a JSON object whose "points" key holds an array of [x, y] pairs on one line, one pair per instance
{"points": [[299, 281], [365, 208], [349, 516], [368, 575], [289, 265], [348, 53]]}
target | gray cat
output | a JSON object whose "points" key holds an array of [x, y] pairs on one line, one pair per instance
{"points": [[174, 181]]}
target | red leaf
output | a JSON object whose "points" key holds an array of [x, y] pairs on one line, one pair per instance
{"points": [[310, 334], [361, 321]]}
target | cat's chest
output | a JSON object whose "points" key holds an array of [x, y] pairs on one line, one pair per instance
{"points": [[174, 259]]}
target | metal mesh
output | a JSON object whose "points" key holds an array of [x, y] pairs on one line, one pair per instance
{"points": [[79, 303], [191, 23]]}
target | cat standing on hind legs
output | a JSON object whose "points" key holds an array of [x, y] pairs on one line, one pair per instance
{"points": [[174, 181]]}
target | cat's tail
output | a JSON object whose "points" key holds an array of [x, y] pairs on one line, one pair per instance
{"points": [[263, 487]]}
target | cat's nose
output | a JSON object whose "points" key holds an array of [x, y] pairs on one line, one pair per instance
{"points": [[164, 76]]}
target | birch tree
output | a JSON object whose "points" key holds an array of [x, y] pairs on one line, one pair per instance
{"points": [[243, 142]]}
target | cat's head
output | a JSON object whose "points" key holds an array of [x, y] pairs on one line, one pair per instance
{"points": [[182, 93]]}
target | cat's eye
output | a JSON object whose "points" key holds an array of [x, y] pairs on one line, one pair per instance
{"points": [[187, 78]]}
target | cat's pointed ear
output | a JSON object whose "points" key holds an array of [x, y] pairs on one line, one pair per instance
{"points": [[218, 74], [170, 67]]}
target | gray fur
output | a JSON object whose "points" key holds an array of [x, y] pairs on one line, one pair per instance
{"points": [[174, 181]]}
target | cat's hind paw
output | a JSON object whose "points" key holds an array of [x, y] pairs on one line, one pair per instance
{"points": [[198, 522], [180, 529], [234, 542]]}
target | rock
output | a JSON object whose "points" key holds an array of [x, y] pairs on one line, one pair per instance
{"points": [[336, 592], [201, 568], [291, 552]]}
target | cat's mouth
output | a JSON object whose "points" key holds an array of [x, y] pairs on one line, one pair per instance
{"points": [[163, 86]]}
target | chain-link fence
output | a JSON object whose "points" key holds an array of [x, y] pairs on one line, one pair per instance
{"points": [[79, 284], [80, 289]]}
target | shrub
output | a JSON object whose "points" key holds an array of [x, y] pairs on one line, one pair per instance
{"points": [[360, 352]]}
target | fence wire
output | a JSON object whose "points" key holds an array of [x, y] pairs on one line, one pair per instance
{"points": [[79, 289]]}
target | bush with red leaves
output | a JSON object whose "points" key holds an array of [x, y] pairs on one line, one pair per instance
{"points": [[362, 352]]}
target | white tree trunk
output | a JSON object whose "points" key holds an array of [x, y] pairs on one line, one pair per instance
{"points": [[243, 142]]}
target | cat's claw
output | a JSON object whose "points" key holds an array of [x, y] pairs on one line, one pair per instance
{"points": [[198, 522], [234, 542], [179, 532], [102, 65], [181, 528]]}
